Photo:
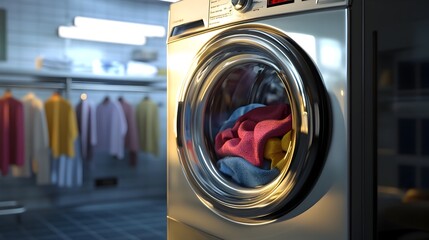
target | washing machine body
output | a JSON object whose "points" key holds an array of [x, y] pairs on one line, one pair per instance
{"points": [[257, 129]]}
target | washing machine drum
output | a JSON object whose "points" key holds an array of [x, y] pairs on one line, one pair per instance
{"points": [[253, 124]]}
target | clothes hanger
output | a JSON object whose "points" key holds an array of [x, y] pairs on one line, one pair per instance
{"points": [[106, 99], [7, 93], [56, 93]]}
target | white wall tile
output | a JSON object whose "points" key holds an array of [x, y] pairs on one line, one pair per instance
{"points": [[32, 28]]}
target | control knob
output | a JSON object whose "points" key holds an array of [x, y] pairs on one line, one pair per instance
{"points": [[242, 5]]}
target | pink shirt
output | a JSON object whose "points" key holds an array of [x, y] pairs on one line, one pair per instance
{"points": [[131, 138]]}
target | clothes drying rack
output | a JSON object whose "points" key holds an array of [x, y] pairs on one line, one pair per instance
{"points": [[66, 82]]}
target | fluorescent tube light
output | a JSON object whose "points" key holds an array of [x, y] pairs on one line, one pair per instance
{"points": [[121, 36], [147, 30]]}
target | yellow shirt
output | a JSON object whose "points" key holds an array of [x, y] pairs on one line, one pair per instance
{"points": [[62, 126], [148, 126]]}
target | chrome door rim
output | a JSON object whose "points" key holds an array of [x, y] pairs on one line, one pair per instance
{"points": [[311, 124]]}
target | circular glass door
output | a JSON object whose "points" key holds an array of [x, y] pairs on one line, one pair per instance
{"points": [[253, 124]]}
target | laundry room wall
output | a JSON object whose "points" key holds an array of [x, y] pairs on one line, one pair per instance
{"points": [[32, 30], [31, 34]]}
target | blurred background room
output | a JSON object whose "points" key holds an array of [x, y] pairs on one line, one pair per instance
{"points": [[82, 114]]}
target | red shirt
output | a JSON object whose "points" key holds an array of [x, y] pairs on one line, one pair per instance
{"points": [[11, 133]]}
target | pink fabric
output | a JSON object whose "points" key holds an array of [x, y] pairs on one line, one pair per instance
{"points": [[11, 133], [248, 136], [131, 138]]}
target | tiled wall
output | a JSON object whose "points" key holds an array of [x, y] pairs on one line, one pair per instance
{"points": [[32, 29]]}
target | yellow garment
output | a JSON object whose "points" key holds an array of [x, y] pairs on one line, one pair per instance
{"points": [[62, 126], [148, 126], [276, 149]]}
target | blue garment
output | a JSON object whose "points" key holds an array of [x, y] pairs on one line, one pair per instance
{"points": [[246, 174], [67, 171], [237, 114]]}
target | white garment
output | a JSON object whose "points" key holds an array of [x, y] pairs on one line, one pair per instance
{"points": [[117, 143], [36, 141]]}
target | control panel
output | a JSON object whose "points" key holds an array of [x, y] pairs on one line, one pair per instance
{"points": [[223, 12], [228, 11]]}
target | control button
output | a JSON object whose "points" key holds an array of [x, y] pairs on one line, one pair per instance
{"points": [[242, 5]]}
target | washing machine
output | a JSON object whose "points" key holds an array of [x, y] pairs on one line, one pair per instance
{"points": [[257, 129]]}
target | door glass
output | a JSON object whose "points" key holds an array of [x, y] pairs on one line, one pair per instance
{"points": [[403, 119], [249, 124]]}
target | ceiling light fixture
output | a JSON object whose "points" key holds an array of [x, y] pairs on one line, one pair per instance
{"points": [[103, 30], [95, 23], [102, 35]]}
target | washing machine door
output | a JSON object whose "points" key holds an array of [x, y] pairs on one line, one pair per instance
{"points": [[253, 124]]}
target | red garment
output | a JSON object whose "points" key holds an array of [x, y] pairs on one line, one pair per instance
{"points": [[131, 137], [248, 136], [11, 133]]}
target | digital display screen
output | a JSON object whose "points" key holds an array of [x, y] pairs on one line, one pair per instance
{"points": [[272, 3]]}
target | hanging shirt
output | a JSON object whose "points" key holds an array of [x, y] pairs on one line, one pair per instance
{"points": [[12, 143], [131, 137], [36, 141], [86, 119], [62, 126], [148, 126], [111, 128]]}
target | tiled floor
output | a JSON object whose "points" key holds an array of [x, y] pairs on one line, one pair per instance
{"points": [[139, 219]]}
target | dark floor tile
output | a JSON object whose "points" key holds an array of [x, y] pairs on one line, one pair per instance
{"points": [[123, 224], [11, 231], [50, 238], [16, 235], [56, 226], [94, 225], [145, 220], [131, 227], [123, 238], [136, 231], [71, 230], [40, 231], [110, 234], [149, 236], [81, 236], [33, 225], [8, 219], [54, 218], [84, 221]]}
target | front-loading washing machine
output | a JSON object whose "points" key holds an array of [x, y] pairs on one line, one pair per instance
{"points": [[257, 129]]}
